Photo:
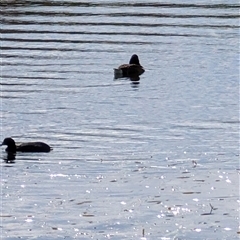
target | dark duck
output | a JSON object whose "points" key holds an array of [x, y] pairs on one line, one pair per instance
{"points": [[13, 147], [132, 69]]}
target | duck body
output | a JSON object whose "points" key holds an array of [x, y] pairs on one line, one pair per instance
{"points": [[13, 147], [133, 68]]}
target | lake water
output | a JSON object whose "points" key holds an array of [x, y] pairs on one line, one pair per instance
{"points": [[153, 159]]}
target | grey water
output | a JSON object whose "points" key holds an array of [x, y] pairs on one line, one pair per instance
{"points": [[153, 159]]}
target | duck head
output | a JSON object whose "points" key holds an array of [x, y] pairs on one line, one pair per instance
{"points": [[134, 59], [11, 146]]}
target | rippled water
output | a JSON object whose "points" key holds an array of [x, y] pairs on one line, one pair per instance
{"points": [[153, 159]]}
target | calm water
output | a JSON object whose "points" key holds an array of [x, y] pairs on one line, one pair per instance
{"points": [[154, 159]]}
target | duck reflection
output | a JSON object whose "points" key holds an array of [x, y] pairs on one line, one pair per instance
{"points": [[9, 158], [135, 80]]}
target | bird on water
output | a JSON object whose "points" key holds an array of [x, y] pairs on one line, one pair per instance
{"points": [[13, 147], [133, 68]]}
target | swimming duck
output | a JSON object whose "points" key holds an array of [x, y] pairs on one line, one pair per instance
{"points": [[128, 70], [12, 147]]}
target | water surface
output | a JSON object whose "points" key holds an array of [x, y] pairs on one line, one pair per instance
{"points": [[153, 159]]}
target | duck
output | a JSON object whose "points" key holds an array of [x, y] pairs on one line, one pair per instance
{"points": [[134, 68], [13, 147]]}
